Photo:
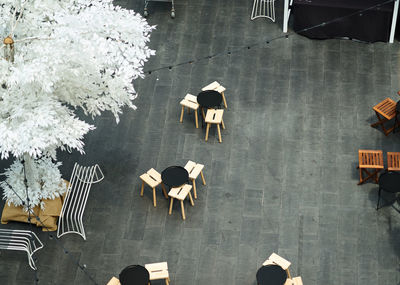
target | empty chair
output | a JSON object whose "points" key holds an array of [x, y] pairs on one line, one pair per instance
{"points": [[194, 169], [180, 193], [278, 260], [385, 111], [21, 240], [190, 102], [369, 159], [217, 87], [393, 161], [215, 117], [153, 179], [81, 181], [114, 281], [263, 9], [158, 271]]}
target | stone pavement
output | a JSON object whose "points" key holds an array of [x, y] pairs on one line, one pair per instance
{"points": [[284, 179]]}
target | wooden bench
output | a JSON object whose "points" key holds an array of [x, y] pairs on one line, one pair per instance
{"points": [[219, 88], [278, 260], [385, 111], [190, 102], [158, 271], [153, 179], [215, 117], [194, 169], [369, 159], [180, 193]]}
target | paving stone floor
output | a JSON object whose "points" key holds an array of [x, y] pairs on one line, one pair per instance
{"points": [[284, 179]]}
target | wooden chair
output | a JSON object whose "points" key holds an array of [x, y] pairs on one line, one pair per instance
{"points": [[180, 193], [369, 159], [114, 281], [385, 111], [153, 179], [278, 260], [190, 101], [158, 271], [393, 161], [215, 117], [194, 169], [217, 87]]}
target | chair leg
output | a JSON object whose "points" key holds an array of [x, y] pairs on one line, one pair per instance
{"points": [[196, 119], [154, 197], [191, 199], [207, 129], [167, 281], [170, 206], [194, 188], [183, 111], [288, 273], [361, 178], [141, 190], [219, 133], [223, 124], [224, 99], [202, 177], [164, 191], [183, 211]]}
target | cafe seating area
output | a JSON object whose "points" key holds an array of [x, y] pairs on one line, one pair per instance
{"points": [[277, 164]]}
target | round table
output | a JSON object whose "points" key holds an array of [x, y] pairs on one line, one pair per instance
{"points": [[388, 182], [134, 275], [209, 99], [271, 275], [174, 176]]}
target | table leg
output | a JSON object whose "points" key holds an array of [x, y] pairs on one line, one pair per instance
{"points": [[164, 191], [219, 133]]}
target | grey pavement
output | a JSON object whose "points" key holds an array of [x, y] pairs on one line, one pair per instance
{"points": [[284, 179]]}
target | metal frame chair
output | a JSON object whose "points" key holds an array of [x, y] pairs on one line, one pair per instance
{"points": [[81, 181], [263, 9], [22, 241]]}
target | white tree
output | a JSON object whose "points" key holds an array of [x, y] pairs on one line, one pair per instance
{"points": [[57, 56]]}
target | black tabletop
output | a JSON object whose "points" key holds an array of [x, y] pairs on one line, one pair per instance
{"points": [[174, 176], [390, 182], [134, 275], [271, 275], [209, 99]]}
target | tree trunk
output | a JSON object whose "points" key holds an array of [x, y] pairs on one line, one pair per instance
{"points": [[30, 172]]}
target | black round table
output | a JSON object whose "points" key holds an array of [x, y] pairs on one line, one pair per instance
{"points": [[271, 275], [174, 176], [209, 99], [134, 275], [388, 182]]}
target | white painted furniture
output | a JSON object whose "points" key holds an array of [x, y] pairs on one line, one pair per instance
{"points": [[263, 9], [21, 241], [81, 181]]}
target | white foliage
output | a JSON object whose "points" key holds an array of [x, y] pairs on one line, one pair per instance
{"points": [[68, 54], [50, 183]]}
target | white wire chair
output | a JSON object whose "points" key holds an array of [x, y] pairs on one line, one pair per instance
{"points": [[263, 9], [81, 181], [22, 241]]}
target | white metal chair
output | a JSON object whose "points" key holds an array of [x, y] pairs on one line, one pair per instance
{"points": [[22, 241], [81, 181], [263, 9]]}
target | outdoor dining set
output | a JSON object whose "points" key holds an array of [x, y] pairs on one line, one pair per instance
{"points": [[210, 98]]}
